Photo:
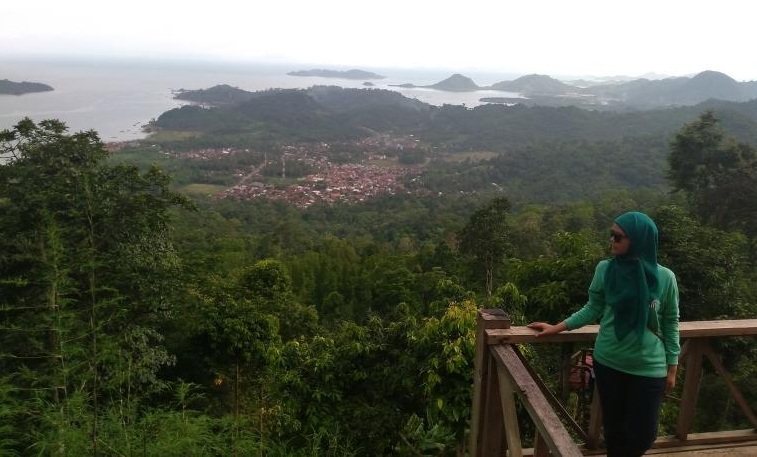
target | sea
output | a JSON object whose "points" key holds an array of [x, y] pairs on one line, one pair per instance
{"points": [[117, 98]]}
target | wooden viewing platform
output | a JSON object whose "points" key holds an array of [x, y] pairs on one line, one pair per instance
{"points": [[502, 374]]}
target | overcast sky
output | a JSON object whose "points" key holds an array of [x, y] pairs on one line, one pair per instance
{"points": [[555, 37]]}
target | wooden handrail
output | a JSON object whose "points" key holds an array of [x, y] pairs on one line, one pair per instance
{"points": [[547, 423], [687, 329], [501, 375]]}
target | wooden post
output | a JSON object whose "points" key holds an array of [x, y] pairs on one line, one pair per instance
{"points": [[512, 429], [595, 420], [486, 439], [491, 440], [545, 419], [692, 379], [540, 446], [567, 363]]}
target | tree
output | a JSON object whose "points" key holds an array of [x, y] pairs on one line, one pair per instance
{"points": [[486, 237], [557, 284], [718, 175], [444, 348], [85, 276], [268, 285], [712, 266], [696, 144]]}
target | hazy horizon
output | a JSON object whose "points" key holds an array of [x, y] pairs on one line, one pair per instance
{"points": [[551, 37], [489, 76]]}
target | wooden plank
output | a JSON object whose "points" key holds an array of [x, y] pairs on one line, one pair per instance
{"points": [[705, 443], [712, 438], [684, 350], [693, 377], [483, 381], [690, 329], [735, 392], [595, 420], [521, 335], [706, 451], [509, 413], [553, 401], [541, 449], [707, 329], [545, 419], [492, 439]]}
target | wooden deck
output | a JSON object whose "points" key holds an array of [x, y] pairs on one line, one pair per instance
{"points": [[743, 450], [502, 375], [725, 450]]}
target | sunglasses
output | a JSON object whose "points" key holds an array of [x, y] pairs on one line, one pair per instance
{"points": [[617, 237]]}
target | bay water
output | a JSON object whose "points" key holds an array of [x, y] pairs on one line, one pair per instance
{"points": [[117, 98]]}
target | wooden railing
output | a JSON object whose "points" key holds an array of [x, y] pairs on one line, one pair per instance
{"points": [[502, 374]]}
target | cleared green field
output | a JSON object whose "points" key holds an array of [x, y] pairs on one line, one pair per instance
{"points": [[201, 189]]}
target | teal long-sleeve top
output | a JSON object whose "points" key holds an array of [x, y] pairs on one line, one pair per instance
{"points": [[660, 343]]}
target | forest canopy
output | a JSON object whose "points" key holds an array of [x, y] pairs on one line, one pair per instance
{"points": [[137, 319]]}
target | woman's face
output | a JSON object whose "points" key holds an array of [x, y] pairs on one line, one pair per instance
{"points": [[619, 242]]}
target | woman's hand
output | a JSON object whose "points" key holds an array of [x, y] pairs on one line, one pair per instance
{"points": [[544, 328], [670, 379]]}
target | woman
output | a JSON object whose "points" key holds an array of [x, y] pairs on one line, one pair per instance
{"points": [[637, 347]]}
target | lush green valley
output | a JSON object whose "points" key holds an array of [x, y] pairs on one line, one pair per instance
{"points": [[147, 311]]}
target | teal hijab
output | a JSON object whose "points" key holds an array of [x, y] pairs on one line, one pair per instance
{"points": [[632, 279]]}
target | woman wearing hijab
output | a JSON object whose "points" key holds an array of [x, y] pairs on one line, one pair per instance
{"points": [[637, 347]]}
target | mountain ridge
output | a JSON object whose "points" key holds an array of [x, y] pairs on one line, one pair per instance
{"points": [[639, 93]]}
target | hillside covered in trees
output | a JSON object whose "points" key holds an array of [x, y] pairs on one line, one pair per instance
{"points": [[534, 154], [141, 316]]}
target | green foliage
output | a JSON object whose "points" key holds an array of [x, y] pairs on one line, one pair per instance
{"points": [[249, 328], [268, 285], [508, 298], [418, 438], [343, 381], [446, 346], [712, 267], [719, 176], [557, 284], [87, 270], [486, 237]]}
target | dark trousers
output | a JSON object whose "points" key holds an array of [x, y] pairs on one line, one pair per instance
{"points": [[630, 410]]}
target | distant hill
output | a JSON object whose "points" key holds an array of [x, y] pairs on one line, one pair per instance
{"points": [[712, 84], [535, 85], [680, 91], [319, 113], [329, 113], [616, 94], [636, 94], [332, 97], [8, 87], [455, 83], [222, 94], [349, 74]]}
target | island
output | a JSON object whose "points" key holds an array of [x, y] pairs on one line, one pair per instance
{"points": [[455, 83], [8, 87], [219, 95], [349, 74]]}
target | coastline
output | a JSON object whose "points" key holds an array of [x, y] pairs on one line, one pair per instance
{"points": [[118, 98]]}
